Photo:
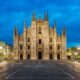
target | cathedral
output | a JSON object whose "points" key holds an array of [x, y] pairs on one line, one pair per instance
{"points": [[39, 41]]}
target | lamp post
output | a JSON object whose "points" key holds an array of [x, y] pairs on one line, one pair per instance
{"points": [[76, 55], [78, 52]]}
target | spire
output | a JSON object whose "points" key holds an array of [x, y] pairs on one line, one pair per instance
{"points": [[46, 16], [64, 31], [24, 22], [55, 31], [15, 31], [55, 24], [33, 16], [24, 25]]}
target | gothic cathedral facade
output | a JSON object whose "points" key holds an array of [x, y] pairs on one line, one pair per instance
{"points": [[39, 41]]}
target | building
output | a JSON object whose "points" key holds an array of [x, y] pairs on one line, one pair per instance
{"points": [[8, 52], [5, 50], [39, 41], [2, 50], [73, 53]]}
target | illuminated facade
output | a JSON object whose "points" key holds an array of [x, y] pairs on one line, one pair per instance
{"points": [[5, 50], [39, 41]]}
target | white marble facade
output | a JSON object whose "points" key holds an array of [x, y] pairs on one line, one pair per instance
{"points": [[39, 41]]}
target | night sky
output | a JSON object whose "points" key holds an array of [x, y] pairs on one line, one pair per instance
{"points": [[65, 12]]}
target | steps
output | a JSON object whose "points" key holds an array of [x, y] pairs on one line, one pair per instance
{"points": [[39, 63]]}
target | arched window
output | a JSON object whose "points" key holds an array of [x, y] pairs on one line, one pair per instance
{"points": [[58, 47], [28, 39], [20, 47], [50, 39], [39, 30], [40, 41], [51, 47], [28, 47]]}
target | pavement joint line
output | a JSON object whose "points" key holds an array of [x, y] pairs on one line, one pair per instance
{"points": [[12, 73], [68, 74]]}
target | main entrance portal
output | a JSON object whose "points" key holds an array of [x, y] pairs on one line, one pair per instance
{"points": [[58, 56], [39, 55], [21, 56]]}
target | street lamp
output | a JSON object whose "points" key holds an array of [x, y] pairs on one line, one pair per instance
{"points": [[78, 52], [75, 55], [1, 47], [78, 48]]}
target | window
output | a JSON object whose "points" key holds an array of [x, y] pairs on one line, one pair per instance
{"points": [[40, 41], [39, 31], [50, 39], [58, 47], [20, 47], [28, 39], [28, 47], [50, 46]]}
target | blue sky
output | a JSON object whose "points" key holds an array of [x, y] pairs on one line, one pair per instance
{"points": [[65, 12]]}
